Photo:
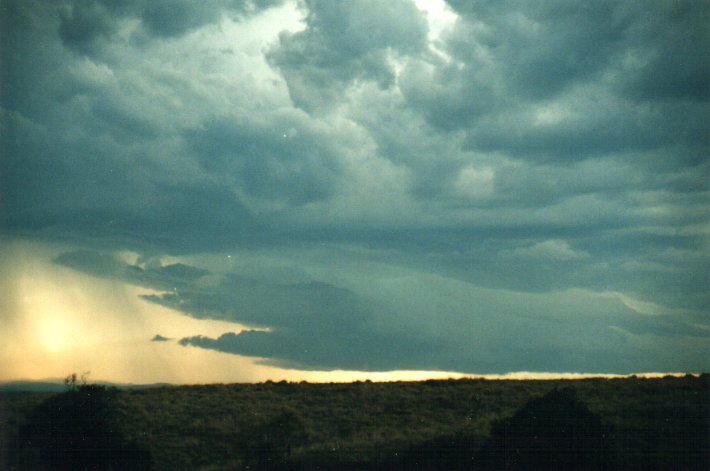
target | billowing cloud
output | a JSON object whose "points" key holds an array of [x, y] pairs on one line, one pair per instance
{"points": [[84, 25], [347, 42], [566, 80], [515, 151]]}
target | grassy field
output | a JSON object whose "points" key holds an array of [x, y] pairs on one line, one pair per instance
{"points": [[648, 423]]}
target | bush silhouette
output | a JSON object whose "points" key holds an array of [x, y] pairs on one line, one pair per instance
{"points": [[555, 431], [77, 430]]}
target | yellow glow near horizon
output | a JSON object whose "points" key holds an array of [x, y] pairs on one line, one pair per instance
{"points": [[58, 321], [55, 321]]}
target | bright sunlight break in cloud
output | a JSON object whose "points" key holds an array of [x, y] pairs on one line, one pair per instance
{"points": [[242, 190]]}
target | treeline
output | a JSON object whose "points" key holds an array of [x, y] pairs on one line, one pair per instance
{"points": [[629, 423]]}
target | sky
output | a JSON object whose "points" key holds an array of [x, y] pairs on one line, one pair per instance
{"points": [[242, 190]]}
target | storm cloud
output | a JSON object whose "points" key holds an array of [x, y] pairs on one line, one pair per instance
{"points": [[466, 186], [386, 318]]}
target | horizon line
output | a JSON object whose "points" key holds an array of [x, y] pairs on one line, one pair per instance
{"points": [[511, 376]]}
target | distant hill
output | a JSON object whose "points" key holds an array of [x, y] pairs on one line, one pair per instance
{"points": [[51, 386], [32, 386]]}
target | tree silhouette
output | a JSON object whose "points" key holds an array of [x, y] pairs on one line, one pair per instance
{"points": [[555, 431], [77, 430]]}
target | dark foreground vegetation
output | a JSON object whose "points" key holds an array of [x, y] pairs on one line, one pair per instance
{"points": [[629, 423]]}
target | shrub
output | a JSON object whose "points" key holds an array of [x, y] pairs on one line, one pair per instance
{"points": [[77, 430], [555, 431]]}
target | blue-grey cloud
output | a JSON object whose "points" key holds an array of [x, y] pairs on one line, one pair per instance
{"points": [[667, 41], [598, 65], [167, 18], [526, 149], [542, 48], [345, 42], [88, 26], [82, 24], [312, 324], [413, 324], [174, 17], [279, 160]]}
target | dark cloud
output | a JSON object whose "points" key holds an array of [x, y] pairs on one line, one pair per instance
{"points": [[573, 139], [175, 17], [85, 23], [160, 338], [346, 42], [313, 324], [279, 160], [568, 80], [168, 277], [29, 54], [594, 132], [98, 264], [665, 40], [417, 324], [169, 18], [529, 151], [34, 32], [184, 218], [358, 350], [540, 48]]}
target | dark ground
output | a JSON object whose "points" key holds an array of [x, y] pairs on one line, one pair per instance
{"points": [[628, 423]]}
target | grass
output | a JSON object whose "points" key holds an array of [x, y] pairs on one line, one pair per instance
{"points": [[659, 423]]}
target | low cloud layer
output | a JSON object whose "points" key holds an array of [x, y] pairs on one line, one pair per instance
{"points": [[544, 159], [387, 318]]}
